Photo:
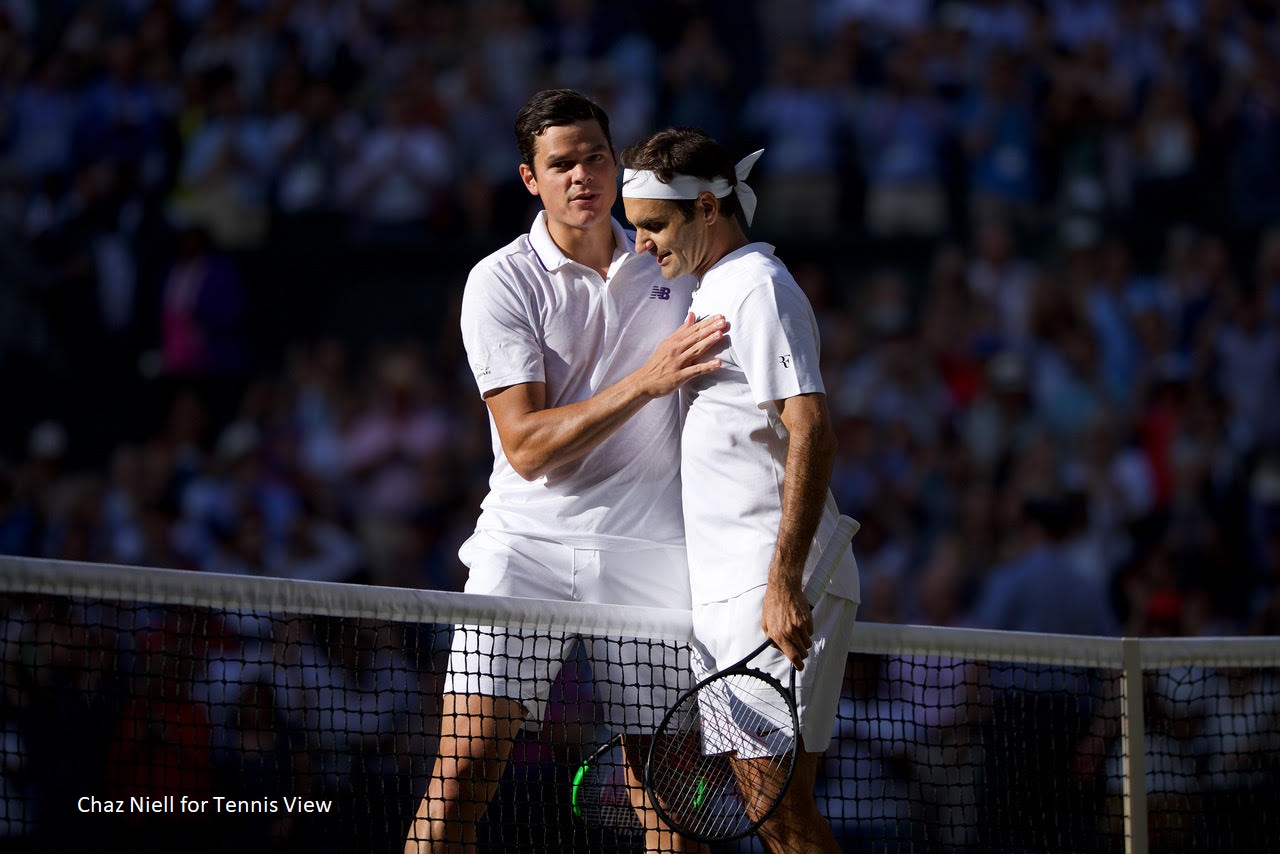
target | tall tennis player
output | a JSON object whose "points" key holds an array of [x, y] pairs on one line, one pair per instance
{"points": [[569, 334]]}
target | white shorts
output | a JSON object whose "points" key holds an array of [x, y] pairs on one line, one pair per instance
{"points": [[641, 679], [726, 631]]}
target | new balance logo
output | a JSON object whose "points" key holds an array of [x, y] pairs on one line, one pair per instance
{"points": [[659, 292]]}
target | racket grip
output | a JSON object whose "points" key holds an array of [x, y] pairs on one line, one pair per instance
{"points": [[832, 553]]}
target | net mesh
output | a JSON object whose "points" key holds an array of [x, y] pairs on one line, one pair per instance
{"points": [[149, 710]]}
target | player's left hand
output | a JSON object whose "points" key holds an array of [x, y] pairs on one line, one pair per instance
{"points": [[787, 620]]}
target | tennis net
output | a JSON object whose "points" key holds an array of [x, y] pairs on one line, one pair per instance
{"points": [[145, 710]]}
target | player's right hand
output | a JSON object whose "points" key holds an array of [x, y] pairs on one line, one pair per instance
{"points": [[683, 355]]}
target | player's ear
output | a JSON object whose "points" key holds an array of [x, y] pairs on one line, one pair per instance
{"points": [[708, 207], [529, 180]]}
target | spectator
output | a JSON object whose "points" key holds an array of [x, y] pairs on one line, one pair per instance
{"points": [[161, 743], [203, 332], [901, 133], [395, 182], [1002, 281], [1035, 590], [257, 755], [998, 127], [1002, 419], [1238, 732], [797, 116], [696, 80], [1252, 112], [17, 819], [384, 449], [1246, 361], [228, 41], [1067, 384], [1079, 23], [476, 117], [311, 142], [37, 134], [1167, 147], [336, 37], [316, 549], [868, 771], [223, 177], [122, 119]]}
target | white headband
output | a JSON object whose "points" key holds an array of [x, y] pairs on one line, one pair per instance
{"points": [[643, 184]]}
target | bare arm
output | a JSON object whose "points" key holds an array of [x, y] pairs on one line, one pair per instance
{"points": [[538, 440], [786, 617]]}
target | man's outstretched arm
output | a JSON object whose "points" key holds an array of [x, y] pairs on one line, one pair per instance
{"points": [[538, 440]]}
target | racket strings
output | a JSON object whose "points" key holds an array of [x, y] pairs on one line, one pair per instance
{"points": [[735, 734], [601, 793]]}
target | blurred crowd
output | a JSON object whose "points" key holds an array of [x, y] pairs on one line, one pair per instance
{"points": [[1042, 238]]}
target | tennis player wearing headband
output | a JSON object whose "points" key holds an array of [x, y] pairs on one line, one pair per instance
{"points": [[756, 454]]}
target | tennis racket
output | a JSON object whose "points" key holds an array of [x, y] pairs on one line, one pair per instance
{"points": [[599, 792], [725, 753]]}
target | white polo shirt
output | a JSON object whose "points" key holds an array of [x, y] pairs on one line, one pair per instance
{"points": [[734, 443], [531, 314]]}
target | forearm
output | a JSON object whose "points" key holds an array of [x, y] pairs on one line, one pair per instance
{"points": [[786, 617], [810, 457], [804, 495], [543, 440]]}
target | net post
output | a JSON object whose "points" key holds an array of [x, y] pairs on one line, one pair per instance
{"points": [[1134, 744]]}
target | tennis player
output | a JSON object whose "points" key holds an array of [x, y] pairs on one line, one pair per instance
{"points": [[757, 451], [577, 344]]}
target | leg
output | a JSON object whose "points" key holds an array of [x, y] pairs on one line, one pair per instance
{"points": [[796, 825], [657, 836], [476, 737]]}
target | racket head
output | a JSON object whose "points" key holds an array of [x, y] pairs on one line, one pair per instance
{"points": [[724, 755], [599, 792]]}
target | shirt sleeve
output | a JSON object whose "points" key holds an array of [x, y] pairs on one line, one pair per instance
{"points": [[503, 346], [776, 339]]}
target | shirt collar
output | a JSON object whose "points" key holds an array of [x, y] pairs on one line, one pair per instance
{"points": [[553, 258], [762, 248]]}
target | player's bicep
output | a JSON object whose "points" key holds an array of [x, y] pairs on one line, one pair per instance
{"points": [[777, 346], [502, 344]]}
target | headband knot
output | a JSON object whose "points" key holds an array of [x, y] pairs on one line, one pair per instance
{"points": [[645, 184]]}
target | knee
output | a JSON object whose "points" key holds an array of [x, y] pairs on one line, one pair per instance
{"points": [[440, 819], [420, 839], [446, 803], [796, 818], [438, 827]]}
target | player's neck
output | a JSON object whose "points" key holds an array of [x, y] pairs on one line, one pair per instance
{"points": [[726, 240], [593, 246]]}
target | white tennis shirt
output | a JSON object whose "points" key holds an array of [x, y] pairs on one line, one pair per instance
{"points": [[532, 314], [734, 444]]}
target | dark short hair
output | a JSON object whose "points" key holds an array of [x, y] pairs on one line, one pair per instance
{"points": [[685, 151], [555, 108]]}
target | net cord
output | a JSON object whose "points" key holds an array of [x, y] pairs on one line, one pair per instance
{"points": [[113, 582], [273, 595]]}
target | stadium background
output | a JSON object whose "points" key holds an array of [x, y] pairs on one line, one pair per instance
{"points": [[1042, 238]]}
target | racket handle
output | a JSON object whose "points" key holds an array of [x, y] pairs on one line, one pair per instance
{"points": [[832, 554]]}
